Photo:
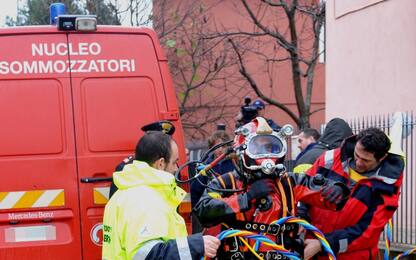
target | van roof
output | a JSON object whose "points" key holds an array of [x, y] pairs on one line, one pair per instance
{"points": [[48, 29]]}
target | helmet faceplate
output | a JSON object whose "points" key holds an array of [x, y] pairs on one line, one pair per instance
{"points": [[260, 149], [262, 146]]}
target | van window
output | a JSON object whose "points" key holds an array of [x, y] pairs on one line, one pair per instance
{"points": [[114, 109], [31, 117]]}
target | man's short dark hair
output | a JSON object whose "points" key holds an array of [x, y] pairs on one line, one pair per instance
{"points": [[308, 132], [153, 146], [374, 141]]}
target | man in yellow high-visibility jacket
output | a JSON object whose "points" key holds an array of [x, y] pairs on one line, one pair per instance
{"points": [[140, 220]]}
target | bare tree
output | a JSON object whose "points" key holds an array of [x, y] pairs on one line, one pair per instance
{"points": [[106, 12], [199, 65], [205, 69], [140, 12], [165, 16], [285, 32]]}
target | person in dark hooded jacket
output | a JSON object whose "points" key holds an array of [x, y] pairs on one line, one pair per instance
{"points": [[335, 132]]}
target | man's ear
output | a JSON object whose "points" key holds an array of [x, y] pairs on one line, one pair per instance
{"points": [[159, 164]]}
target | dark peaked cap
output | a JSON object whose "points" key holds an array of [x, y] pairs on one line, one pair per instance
{"points": [[164, 126]]}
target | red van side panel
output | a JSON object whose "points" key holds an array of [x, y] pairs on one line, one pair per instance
{"points": [[112, 101], [71, 106], [39, 212]]}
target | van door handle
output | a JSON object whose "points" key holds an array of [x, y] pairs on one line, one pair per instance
{"points": [[94, 180]]}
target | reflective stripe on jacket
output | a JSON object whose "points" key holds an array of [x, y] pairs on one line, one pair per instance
{"points": [[141, 221]]}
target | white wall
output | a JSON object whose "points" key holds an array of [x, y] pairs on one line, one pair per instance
{"points": [[370, 57]]}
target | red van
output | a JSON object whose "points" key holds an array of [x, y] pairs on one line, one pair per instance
{"points": [[71, 107]]}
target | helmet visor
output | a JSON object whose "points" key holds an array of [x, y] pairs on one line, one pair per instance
{"points": [[267, 145]]}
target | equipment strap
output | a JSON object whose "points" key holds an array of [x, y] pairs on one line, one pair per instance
{"points": [[271, 229]]}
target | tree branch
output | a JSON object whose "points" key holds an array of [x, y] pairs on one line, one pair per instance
{"points": [[317, 110], [281, 4], [256, 89], [280, 38]]}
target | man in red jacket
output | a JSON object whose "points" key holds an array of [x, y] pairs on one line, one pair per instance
{"points": [[374, 176]]}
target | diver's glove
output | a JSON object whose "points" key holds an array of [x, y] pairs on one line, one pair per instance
{"points": [[335, 193]]}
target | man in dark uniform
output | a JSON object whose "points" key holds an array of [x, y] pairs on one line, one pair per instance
{"points": [[164, 126], [261, 110]]}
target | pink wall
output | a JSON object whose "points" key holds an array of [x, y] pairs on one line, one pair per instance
{"points": [[230, 16], [370, 57]]}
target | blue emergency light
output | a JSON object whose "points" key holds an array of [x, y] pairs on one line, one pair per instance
{"points": [[55, 10]]}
